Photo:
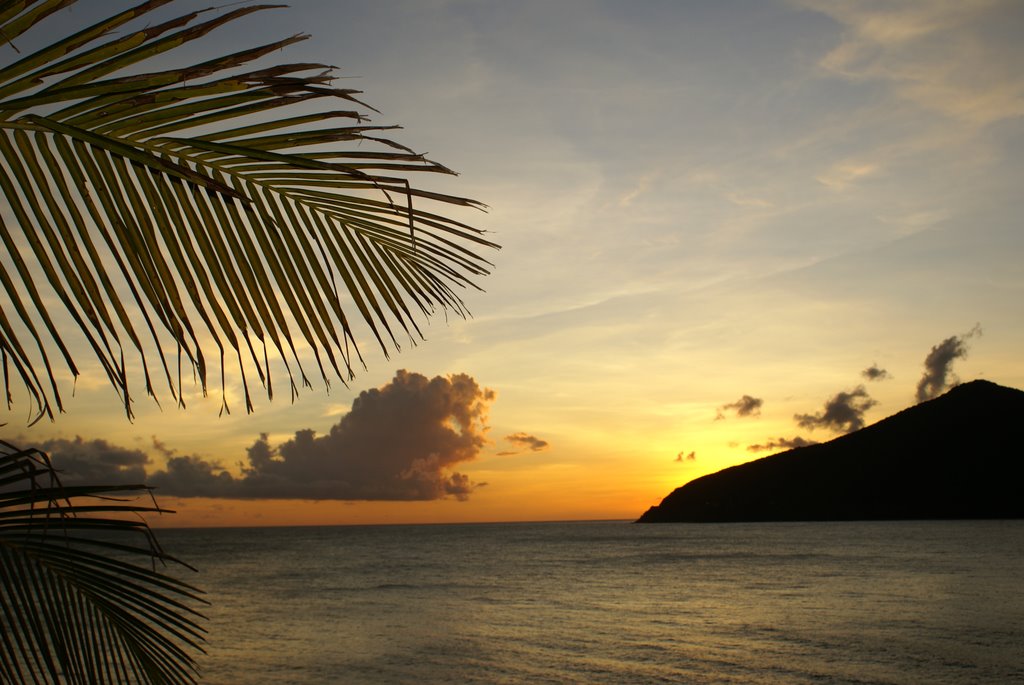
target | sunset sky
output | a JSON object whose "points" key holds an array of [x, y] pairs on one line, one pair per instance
{"points": [[723, 225]]}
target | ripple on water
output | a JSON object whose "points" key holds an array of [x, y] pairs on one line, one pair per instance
{"points": [[882, 602]]}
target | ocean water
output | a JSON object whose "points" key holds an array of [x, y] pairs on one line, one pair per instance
{"points": [[612, 602]]}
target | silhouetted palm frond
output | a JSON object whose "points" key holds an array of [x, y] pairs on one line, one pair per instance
{"points": [[75, 605], [179, 212]]}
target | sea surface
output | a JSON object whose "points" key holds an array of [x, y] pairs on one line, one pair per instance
{"points": [[612, 602]]}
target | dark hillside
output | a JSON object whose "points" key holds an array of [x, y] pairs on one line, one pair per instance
{"points": [[958, 456]]}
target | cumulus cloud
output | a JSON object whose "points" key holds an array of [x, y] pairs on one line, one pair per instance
{"points": [[875, 373], [938, 365], [398, 442], [682, 456], [459, 486], [191, 476], [96, 462], [744, 406], [781, 444], [526, 441], [844, 412]]}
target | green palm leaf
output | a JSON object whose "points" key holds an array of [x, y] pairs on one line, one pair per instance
{"points": [[76, 607], [205, 211]]}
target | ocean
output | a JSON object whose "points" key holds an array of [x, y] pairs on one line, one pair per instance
{"points": [[612, 602]]}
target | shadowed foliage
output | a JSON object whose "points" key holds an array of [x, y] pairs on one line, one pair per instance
{"points": [[76, 606], [163, 217], [204, 210]]}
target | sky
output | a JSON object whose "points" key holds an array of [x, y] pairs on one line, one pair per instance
{"points": [[726, 228]]}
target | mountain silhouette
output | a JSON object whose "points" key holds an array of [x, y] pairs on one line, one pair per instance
{"points": [[958, 456]]}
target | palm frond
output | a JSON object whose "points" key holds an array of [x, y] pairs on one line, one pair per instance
{"points": [[205, 211], [75, 606]]}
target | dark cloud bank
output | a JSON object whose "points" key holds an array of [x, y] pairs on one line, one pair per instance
{"points": [[398, 442], [95, 461]]}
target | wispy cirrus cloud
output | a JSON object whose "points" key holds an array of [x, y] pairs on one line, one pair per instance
{"points": [[938, 55], [842, 175]]}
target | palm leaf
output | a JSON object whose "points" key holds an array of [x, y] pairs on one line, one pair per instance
{"points": [[76, 606], [205, 212]]}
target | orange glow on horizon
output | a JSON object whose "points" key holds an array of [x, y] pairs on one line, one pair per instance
{"points": [[203, 513]]}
